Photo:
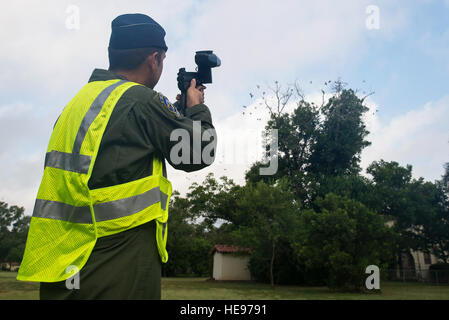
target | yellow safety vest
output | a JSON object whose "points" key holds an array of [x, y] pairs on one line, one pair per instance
{"points": [[68, 217]]}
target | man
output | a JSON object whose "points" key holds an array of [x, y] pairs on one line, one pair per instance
{"points": [[102, 205]]}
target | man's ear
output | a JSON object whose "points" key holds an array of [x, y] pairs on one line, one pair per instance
{"points": [[151, 61], [156, 57]]}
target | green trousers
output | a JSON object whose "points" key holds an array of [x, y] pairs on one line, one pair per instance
{"points": [[121, 266]]}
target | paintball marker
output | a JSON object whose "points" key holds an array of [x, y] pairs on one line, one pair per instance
{"points": [[205, 60]]}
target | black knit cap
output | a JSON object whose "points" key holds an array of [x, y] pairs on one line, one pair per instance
{"points": [[131, 31]]}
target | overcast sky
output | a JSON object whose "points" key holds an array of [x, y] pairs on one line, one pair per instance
{"points": [[399, 49]]}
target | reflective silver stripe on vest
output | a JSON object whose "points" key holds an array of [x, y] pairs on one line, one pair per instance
{"points": [[103, 211], [126, 206], [61, 211], [67, 161], [75, 161], [91, 114]]}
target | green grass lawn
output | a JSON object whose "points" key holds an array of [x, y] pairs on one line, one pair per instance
{"points": [[11, 289], [200, 289]]}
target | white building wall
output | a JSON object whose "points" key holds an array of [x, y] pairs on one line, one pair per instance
{"points": [[218, 266], [235, 268], [230, 267]]}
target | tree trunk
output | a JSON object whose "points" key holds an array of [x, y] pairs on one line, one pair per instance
{"points": [[271, 267]]}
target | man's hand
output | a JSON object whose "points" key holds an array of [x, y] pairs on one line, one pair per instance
{"points": [[195, 94]]}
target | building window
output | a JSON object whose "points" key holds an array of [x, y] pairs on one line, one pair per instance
{"points": [[427, 259]]}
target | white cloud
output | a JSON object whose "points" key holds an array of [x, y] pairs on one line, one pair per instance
{"points": [[20, 181], [420, 138]]}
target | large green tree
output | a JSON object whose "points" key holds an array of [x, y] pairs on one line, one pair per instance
{"points": [[340, 239], [341, 137], [205, 217], [417, 207], [271, 214], [315, 142], [259, 215], [215, 201], [390, 182], [433, 204]]}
